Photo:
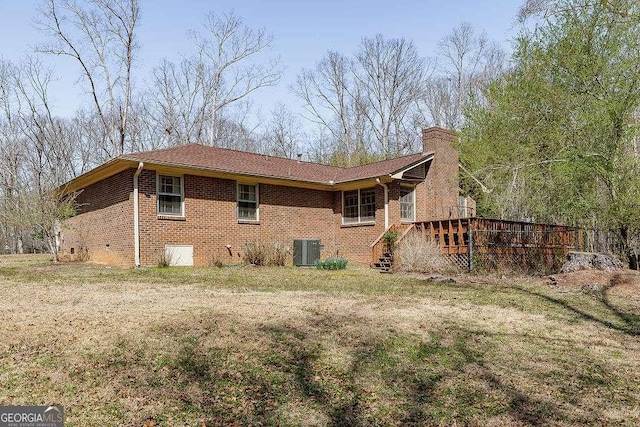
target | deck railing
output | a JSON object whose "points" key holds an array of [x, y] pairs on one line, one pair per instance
{"points": [[452, 235], [490, 243]]}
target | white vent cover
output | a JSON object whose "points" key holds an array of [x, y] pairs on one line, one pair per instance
{"points": [[179, 255]]}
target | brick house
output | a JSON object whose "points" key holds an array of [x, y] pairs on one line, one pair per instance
{"points": [[208, 202]]}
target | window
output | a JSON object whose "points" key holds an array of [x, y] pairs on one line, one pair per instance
{"points": [[407, 204], [350, 212], [359, 206], [368, 205], [170, 195], [247, 202]]}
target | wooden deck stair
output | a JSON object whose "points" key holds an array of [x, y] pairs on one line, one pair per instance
{"points": [[385, 263], [382, 258]]}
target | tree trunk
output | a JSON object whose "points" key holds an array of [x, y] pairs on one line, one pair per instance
{"points": [[629, 250], [53, 247], [19, 244]]}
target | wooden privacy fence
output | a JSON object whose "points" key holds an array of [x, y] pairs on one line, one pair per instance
{"points": [[488, 244]]}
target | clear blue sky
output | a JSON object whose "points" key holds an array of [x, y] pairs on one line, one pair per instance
{"points": [[303, 31]]}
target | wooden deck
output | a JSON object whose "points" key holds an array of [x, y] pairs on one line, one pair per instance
{"points": [[499, 238]]}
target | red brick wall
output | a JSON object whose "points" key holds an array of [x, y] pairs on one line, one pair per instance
{"points": [[422, 213], [104, 222], [442, 183], [285, 214]]}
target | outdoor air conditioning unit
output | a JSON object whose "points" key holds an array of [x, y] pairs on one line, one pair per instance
{"points": [[306, 252]]}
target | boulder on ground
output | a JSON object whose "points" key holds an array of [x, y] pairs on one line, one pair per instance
{"points": [[577, 261]]}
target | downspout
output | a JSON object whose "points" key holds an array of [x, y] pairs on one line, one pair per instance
{"points": [[136, 216], [386, 203]]}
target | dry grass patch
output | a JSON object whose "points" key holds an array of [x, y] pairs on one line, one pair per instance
{"points": [[285, 346]]}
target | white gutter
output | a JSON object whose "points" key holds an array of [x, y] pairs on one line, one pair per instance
{"points": [[386, 203], [136, 216]]}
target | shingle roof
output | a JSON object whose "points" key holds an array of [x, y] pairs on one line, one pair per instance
{"points": [[203, 157]]}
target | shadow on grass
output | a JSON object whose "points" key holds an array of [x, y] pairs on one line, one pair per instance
{"points": [[620, 319], [300, 355], [424, 382], [518, 405], [628, 323], [630, 320], [357, 377]]}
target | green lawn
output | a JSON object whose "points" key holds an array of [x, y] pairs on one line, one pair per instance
{"points": [[290, 346]]}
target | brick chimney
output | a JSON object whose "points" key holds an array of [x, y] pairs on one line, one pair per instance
{"points": [[442, 177]]}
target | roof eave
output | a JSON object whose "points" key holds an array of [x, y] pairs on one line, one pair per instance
{"points": [[122, 163], [399, 174], [234, 175], [96, 174]]}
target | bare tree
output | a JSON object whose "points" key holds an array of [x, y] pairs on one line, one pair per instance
{"points": [[178, 103], [238, 126], [284, 135], [38, 155], [366, 104], [11, 157], [391, 76], [202, 97], [467, 63], [226, 52], [332, 101], [48, 159], [100, 36], [322, 149], [78, 133], [49, 152]]}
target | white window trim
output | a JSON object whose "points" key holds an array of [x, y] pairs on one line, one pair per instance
{"points": [[158, 193], [359, 221], [238, 200], [413, 191]]}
